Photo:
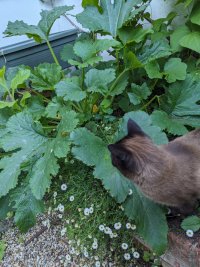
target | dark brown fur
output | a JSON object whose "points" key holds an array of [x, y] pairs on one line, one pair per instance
{"points": [[168, 174]]}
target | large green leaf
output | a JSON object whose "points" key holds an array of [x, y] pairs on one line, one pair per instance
{"points": [[46, 166], [89, 48], [145, 122], [98, 155], [26, 207], [21, 76], [112, 18], [28, 138], [70, 89], [191, 41], [22, 133], [195, 14], [149, 218], [154, 51], [138, 93], [175, 69], [170, 123], [119, 85], [45, 76], [181, 98], [4, 207], [36, 106], [15, 77], [131, 34], [41, 31], [98, 80], [176, 36], [153, 70]]}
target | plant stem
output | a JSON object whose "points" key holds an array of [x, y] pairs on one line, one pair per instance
{"points": [[53, 55], [35, 92], [82, 78], [77, 108], [8, 91], [115, 82], [49, 127], [150, 101]]}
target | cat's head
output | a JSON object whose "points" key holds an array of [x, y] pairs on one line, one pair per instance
{"points": [[131, 154]]}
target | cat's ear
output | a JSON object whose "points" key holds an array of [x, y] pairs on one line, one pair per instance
{"points": [[134, 129]]}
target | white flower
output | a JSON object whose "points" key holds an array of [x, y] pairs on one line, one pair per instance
{"points": [[124, 246], [68, 257], [127, 256], [101, 227], [60, 207], [94, 245], [130, 192], [136, 255], [55, 194], [76, 225], [60, 216], [85, 253], [86, 211], [72, 161], [67, 221], [111, 235], [189, 233], [115, 235], [71, 198], [91, 209], [46, 223], [128, 226], [72, 250], [133, 227], [63, 187], [63, 231], [107, 230], [117, 225], [96, 258], [97, 264]]}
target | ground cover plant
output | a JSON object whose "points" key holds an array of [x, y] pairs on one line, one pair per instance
{"points": [[48, 114]]}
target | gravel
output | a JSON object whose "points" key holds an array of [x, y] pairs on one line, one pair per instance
{"points": [[42, 246]]}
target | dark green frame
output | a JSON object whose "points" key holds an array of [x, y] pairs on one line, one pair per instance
{"points": [[30, 53]]}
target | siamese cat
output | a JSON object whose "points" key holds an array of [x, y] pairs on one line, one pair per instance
{"points": [[168, 174]]}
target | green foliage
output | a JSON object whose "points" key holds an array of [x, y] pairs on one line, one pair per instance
{"points": [[191, 223], [175, 70], [152, 77], [26, 207], [45, 76], [181, 98], [112, 18], [70, 89], [98, 80], [153, 231], [138, 93], [41, 31], [191, 41]]}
